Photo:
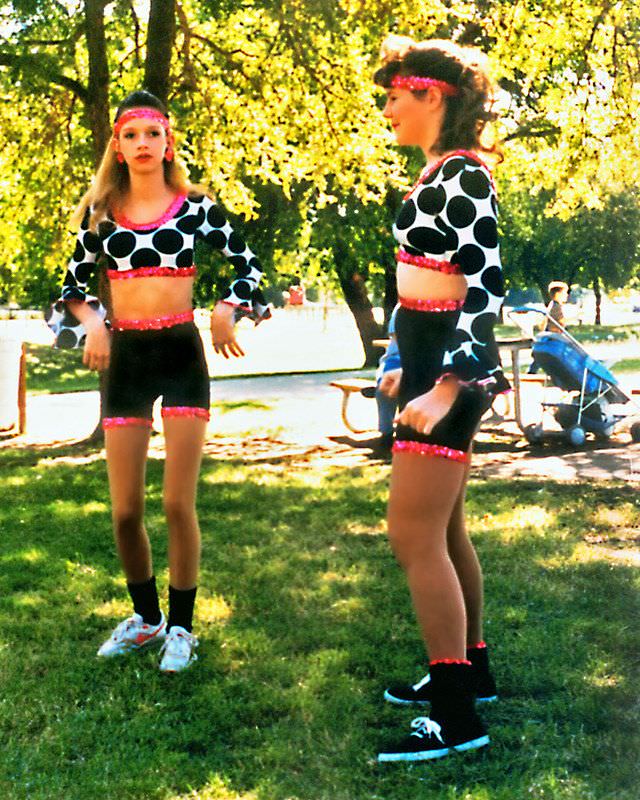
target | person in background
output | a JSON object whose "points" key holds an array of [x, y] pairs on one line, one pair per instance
{"points": [[387, 385], [559, 294]]}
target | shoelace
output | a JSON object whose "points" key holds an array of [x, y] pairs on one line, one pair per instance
{"points": [[122, 628], [425, 726], [180, 641]]}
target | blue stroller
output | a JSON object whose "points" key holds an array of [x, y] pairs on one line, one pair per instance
{"points": [[592, 400]]}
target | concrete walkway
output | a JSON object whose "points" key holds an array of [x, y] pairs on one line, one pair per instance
{"points": [[298, 416]]}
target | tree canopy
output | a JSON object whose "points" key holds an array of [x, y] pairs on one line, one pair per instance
{"points": [[276, 112]]}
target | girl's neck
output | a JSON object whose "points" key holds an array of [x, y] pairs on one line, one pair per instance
{"points": [[145, 188]]}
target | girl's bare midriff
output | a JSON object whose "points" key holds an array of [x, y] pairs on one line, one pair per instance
{"points": [[417, 283], [151, 297]]}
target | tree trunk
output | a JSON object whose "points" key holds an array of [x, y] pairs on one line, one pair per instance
{"points": [[354, 289], [98, 112], [598, 293], [160, 37], [97, 104]]}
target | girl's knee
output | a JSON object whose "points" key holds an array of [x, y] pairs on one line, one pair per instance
{"points": [[178, 512], [413, 545], [128, 519]]}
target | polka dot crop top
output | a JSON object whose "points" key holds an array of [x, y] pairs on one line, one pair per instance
{"points": [[164, 248], [448, 222]]}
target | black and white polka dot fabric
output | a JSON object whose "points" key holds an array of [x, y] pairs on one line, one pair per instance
{"points": [[69, 332], [169, 244], [452, 217]]}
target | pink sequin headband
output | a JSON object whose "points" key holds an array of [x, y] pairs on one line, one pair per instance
{"points": [[416, 83], [141, 113]]}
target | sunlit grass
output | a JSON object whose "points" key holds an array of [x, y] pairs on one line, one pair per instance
{"points": [[303, 617]]}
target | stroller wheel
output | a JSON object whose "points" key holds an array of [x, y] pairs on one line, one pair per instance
{"points": [[635, 432], [534, 434], [576, 436]]}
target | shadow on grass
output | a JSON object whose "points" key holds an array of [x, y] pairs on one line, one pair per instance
{"points": [[303, 617]]}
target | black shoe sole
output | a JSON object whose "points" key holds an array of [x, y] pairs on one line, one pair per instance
{"points": [[397, 701], [428, 755]]}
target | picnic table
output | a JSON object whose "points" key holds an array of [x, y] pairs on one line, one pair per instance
{"points": [[514, 347]]}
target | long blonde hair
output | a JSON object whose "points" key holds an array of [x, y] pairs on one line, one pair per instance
{"points": [[111, 182]]}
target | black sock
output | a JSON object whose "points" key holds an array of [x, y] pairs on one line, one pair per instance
{"points": [[145, 600], [478, 655], [181, 603]]}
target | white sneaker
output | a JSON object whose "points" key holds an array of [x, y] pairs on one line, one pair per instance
{"points": [[178, 650], [133, 634]]}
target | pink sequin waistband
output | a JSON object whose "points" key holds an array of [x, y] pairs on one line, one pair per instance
{"points": [[185, 411], [425, 449], [151, 272], [155, 324], [430, 305], [125, 422], [425, 262]]}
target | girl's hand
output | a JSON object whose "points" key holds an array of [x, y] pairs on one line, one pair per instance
{"points": [[222, 331], [97, 346], [424, 413], [390, 382]]}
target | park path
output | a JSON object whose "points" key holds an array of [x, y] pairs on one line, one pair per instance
{"points": [[298, 416]]}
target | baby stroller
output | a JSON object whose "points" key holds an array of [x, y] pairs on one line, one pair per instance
{"points": [[591, 399]]}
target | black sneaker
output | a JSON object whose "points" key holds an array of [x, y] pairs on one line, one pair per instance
{"points": [[419, 694], [430, 740]]}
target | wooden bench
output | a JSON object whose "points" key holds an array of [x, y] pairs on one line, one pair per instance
{"points": [[349, 386]]}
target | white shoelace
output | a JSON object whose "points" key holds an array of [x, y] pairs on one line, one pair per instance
{"points": [[422, 682], [425, 726], [179, 642], [122, 628]]}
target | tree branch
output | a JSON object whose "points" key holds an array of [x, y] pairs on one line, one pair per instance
{"points": [[34, 67]]}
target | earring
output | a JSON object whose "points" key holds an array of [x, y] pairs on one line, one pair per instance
{"points": [[168, 154], [120, 157]]}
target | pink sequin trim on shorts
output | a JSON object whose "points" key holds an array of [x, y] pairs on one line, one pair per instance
{"points": [[426, 449], [151, 272], [125, 422], [424, 262], [185, 411], [156, 324], [450, 661], [430, 305]]}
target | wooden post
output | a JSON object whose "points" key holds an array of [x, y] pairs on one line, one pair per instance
{"points": [[22, 391]]}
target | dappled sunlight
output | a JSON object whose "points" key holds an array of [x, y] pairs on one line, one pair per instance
{"points": [[71, 460], [74, 568], [624, 514], [14, 480], [28, 600], [358, 529], [215, 789], [113, 609], [31, 556], [213, 610], [585, 552], [348, 606]]}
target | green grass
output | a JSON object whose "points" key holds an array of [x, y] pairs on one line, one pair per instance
{"points": [[583, 333], [626, 365], [50, 371], [303, 616]]}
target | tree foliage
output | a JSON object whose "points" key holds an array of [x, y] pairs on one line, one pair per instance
{"points": [[276, 111]]}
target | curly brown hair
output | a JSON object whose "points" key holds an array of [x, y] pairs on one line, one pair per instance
{"points": [[468, 112]]}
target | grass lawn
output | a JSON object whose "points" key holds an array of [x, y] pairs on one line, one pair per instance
{"points": [[303, 617]]}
